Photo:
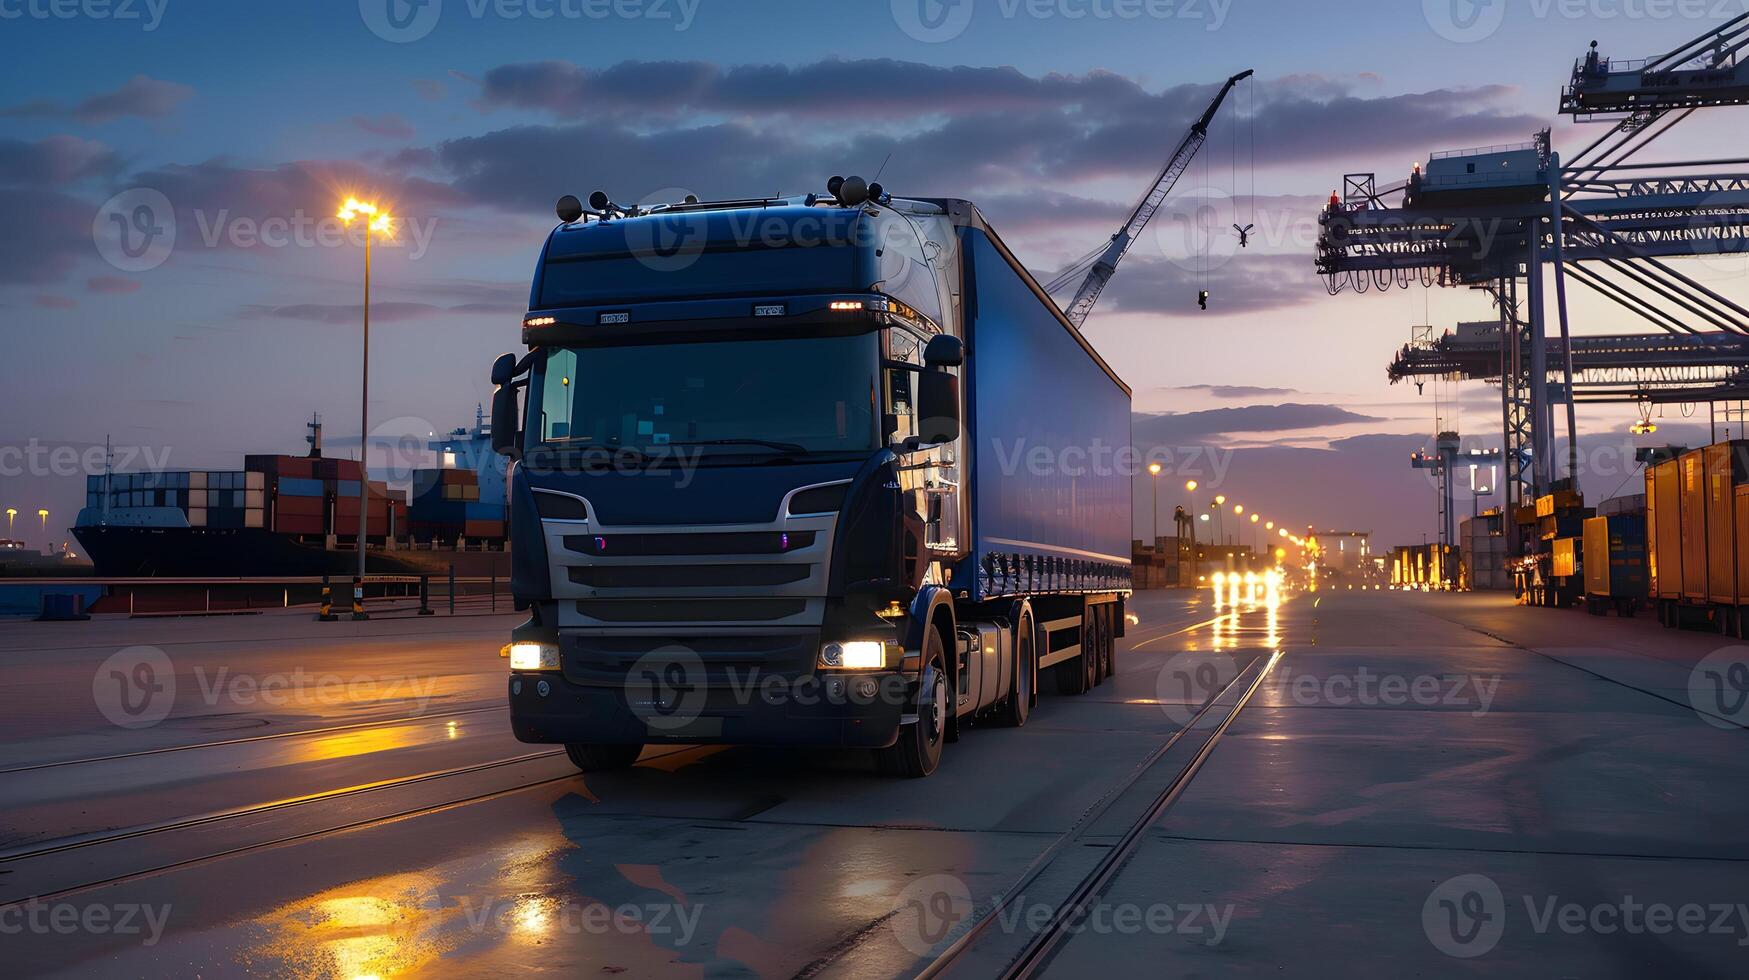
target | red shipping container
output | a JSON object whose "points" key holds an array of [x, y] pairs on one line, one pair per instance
{"points": [[483, 529], [303, 506]]}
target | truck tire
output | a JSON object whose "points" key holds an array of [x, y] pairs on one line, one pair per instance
{"points": [[1018, 707], [602, 758], [917, 753]]}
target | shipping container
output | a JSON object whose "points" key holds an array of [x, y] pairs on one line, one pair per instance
{"points": [[1692, 527], [1615, 557], [1667, 486], [1727, 467], [1652, 533], [1566, 558]]}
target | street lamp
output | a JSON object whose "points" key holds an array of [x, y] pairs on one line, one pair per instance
{"points": [[45, 519], [11, 512], [1254, 529], [1220, 517], [374, 220], [1154, 481], [1190, 488]]}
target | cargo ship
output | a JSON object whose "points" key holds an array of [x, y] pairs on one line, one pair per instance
{"points": [[298, 516]]}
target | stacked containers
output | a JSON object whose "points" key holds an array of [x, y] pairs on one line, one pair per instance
{"points": [[320, 497], [447, 506]]}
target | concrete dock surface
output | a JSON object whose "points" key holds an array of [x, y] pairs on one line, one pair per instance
{"points": [[1350, 782]]}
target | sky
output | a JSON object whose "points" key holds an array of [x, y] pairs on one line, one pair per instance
{"points": [[171, 277]]}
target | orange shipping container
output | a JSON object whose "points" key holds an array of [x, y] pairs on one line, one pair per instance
{"points": [[1725, 465], [1692, 526], [1652, 530], [1668, 480]]}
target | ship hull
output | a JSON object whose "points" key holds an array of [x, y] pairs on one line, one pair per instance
{"points": [[192, 552]]}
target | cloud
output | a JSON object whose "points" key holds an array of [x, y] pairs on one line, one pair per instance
{"points": [[47, 232], [1245, 284], [387, 125], [1182, 427], [1238, 391], [112, 285], [140, 97], [54, 161], [1057, 125], [389, 311], [430, 89], [205, 195], [48, 302]]}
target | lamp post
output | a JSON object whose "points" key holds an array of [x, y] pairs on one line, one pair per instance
{"points": [[374, 220], [1190, 488], [1220, 517], [1254, 519], [44, 515], [1154, 483], [11, 512]]}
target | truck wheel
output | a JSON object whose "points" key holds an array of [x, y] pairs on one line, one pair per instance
{"points": [[602, 758], [1019, 705], [918, 750]]}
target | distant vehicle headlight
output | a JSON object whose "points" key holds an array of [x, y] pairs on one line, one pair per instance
{"points": [[530, 655]]}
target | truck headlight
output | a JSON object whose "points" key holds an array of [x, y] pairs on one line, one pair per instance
{"points": [[854, 655], [530, 655]]}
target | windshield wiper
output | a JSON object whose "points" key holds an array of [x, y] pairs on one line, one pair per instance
{"points": [[782, 447]]}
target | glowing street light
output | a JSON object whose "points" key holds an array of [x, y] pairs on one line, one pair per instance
{"points": [[11, 512], [375, 220], [1154, 483], [44, 515]]}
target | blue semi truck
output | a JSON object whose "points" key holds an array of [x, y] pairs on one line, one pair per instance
{"points": [[828, 470]]}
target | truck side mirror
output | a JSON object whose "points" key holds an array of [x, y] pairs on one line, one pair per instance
{"points": [[506, 427], [944, 350], [938, 406]]}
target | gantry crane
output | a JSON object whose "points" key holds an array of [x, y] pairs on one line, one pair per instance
{"points": [[1094, 270], [1494, 218]]}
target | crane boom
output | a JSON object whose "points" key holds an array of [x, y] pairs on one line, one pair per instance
{"points": [[1088, 292]]}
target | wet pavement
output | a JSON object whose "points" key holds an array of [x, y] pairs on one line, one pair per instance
{"points": [[1349, 781]]}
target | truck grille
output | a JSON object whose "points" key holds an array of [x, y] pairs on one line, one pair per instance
{"points": [[686, 576], [690, 610]]}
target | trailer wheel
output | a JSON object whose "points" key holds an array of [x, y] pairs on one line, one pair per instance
{"points": [[918, 751], [1075, 676], [1108, 642], [602, 758], [1019, 705]]}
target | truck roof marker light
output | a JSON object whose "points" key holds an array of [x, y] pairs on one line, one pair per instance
{"points": [[846, 304], [540, 321]]}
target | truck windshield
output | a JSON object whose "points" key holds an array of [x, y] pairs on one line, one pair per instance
{"points": [[761, 397]]}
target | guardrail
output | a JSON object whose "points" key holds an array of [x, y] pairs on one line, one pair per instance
{"points": [[211, 595]]}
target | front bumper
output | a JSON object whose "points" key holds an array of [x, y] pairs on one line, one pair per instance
{"points": [[855, 709]]}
